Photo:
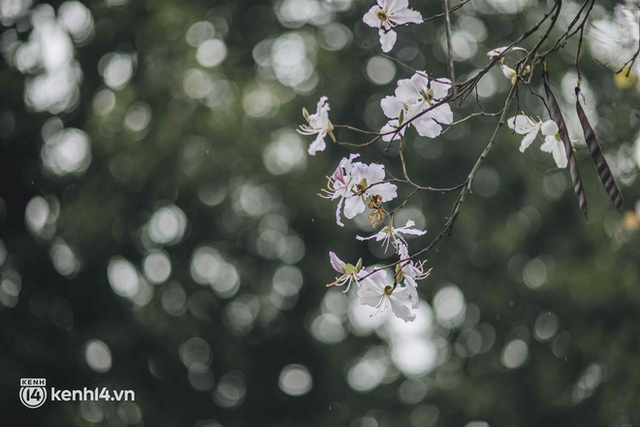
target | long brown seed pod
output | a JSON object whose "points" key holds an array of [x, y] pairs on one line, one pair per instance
{"points": [[556, 115], [602, 167]]}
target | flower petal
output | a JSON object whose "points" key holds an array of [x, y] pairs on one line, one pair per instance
{"points": [[549, 128], [374, 173], [336, 263], [527, 140], [387, 39], [400, 301], [493, 53], [556, 148], [521, 124], [427, 127], [391, 106], [406, 16], [338, 209], [318, 144], [362, 239], [385, 190], [371, 18], [440, 87], [412, 291], [442, 114], [353, 206], [390, 131], [395, 5]]}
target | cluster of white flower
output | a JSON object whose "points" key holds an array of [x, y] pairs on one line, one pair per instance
{"points": [[417, 102], [359, 186], [375, 289], [355, 184], [527, 126], [423, 103]]}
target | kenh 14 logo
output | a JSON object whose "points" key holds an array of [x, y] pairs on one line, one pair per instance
{"points": [[33, 392]]}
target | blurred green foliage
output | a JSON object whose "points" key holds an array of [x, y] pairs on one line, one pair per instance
{"points": [[196, 164]]}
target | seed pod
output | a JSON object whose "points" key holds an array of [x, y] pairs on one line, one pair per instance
{"points": [[596, 153], [556, 115]]}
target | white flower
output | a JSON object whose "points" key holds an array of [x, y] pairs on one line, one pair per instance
{"points": [[353, 183], [525, 125], [412, 98], [368, 183], [494, 53], [386, 16], [340, 183], [348, 272], [554, 145], [390, 234], [376, 291], [508, 72], [409, 272], [318, 124]]}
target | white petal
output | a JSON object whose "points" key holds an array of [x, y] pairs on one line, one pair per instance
{"points": [[413, 291], [387, 39], [442, 114], [391, 131], [318, 144], [400, 301], [374, 173], [556, 148], [320, 120], [375, 283], [397, 5], [371, 18], [522, 124], [407, 91], [440, 87], [413, 231], [362, 239], [391, 106], [527, 140], [385, 190], [427, 127], [406, 16], [498, 51], [410, 281], [549, 128], [338, 209], [336, 263], [508, 71], [372, 300], [353, 206], [403, 251], [421, 79]]}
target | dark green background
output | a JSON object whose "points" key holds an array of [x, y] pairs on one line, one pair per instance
{"points": [[591, 283]]}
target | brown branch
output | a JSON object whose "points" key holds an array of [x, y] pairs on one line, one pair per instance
{"points": [[466, 187], [441, 15]]}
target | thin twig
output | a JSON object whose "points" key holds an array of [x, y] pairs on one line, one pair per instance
{"points": [[440, 15], [447, 26]]}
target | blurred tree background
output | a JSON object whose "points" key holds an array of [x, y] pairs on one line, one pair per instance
{"points": [[161, 232]]}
